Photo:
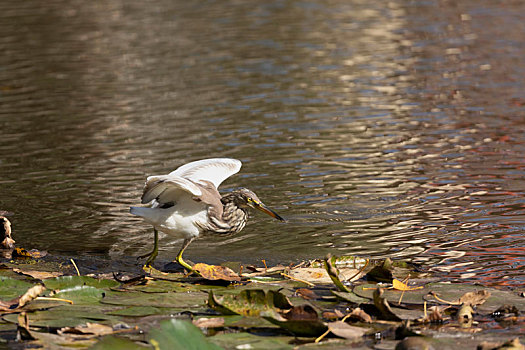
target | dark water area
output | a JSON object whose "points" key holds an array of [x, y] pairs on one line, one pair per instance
{"points": [[375, 128]]}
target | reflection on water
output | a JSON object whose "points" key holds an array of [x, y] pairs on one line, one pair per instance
{"points": [[379, 129]]}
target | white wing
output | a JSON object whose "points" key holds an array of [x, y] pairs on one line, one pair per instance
{"points": [[167, 188], [214, 170]]}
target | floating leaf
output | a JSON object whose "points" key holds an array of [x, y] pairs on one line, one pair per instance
{"points": [[474, 298], [179, 334], [398, 285], [249, 302], [11, 288], [73, 281], [360, 315], [216, 273], [303, 321], [344, 330], [211, 322], [39, 275], [33, 253]]}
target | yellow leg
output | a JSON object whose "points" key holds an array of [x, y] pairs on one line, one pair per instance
{"points": [[153, 254], [179, 256]]}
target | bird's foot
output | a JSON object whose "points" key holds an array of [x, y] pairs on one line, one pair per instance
{"points": [[151, 257]]}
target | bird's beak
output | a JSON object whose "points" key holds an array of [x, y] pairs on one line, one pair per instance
{"points": [[262, 207]]}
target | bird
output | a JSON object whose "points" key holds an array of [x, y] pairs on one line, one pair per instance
{"points": [[186, 203]]}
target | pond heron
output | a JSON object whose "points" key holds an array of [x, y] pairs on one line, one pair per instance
{"points": [[186, 203]]}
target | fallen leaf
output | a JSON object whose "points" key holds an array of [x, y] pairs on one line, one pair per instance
{"points": [[87, 330], [474, 298], [30, 295], [382, 305], [40, 275], [33, 253], [215, 273], [15, 304], [360, 315], [344, 330], [398, 285], [212, 322], [307, 294], [333, 315]]}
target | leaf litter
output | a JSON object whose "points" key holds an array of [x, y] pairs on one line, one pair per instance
{"points": [[326, 302]]}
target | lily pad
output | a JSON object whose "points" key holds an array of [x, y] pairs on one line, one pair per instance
{"points": [[11, 288], [73, 281], [179, 334], [249, 302], [81, 294], [173, 300]]}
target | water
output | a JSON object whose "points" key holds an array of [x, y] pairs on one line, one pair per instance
{"points": [[377, 129]]}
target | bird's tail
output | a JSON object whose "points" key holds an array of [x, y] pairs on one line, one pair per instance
{"points": [[140, 211]]}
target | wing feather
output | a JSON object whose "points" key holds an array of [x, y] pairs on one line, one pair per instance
{"points": [[164, 188], [214, 170]]}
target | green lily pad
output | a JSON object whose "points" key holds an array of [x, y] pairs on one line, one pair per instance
{"points": [[249, 302], [11, 288], [169, 300], [179, 334], [81, 294], [65, 316], [139, 311], [73, 281]]}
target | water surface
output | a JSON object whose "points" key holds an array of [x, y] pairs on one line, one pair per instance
{"points": [[377, 129]]}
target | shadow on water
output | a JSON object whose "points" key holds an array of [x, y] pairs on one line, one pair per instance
{"points": [[377, 130]]}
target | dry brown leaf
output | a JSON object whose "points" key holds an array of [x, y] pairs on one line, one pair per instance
{"points": [[214, 273], [474, 298], [86, 331], [344, 330], [332, 315], [40, 275], [212, 322], [306, 293], [30, 295], [360, 315], [33, 253], [398, 285]]}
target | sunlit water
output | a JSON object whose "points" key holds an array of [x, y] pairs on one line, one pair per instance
{"points": [[376, 128]]}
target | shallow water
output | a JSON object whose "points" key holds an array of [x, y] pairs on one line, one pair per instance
{"points": [[377, 129]]}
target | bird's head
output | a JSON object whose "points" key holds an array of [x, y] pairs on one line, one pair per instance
{"points": [[246, 198]]}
